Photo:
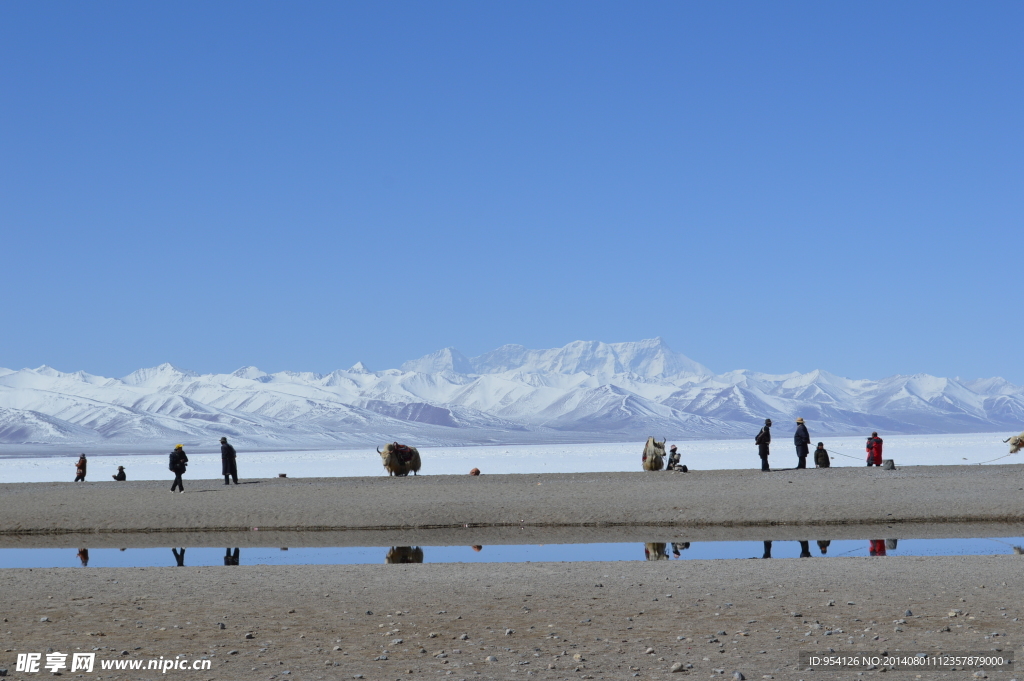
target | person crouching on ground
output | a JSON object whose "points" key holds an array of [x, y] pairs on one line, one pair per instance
{"points": [[763, 440], [178, 462], [821, 459], [874, 449], [228, 465], [120, 476], [80, 468]]}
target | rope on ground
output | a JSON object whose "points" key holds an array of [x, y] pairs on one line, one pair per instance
{"points": [[833, 451], [995, 459]]}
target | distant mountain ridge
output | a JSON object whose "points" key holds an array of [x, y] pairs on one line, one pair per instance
{"points": [[586, 391]]}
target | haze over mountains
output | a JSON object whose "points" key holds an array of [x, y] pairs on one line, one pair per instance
{"points": [[587, 391]]}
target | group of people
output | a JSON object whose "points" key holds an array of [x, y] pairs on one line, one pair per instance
{"points": [[802, 440], [178, 463], [228, 465]]}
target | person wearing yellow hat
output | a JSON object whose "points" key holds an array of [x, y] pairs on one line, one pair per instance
{"points": [[802, 439], [178, 462]]}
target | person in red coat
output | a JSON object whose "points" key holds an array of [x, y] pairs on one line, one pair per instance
{"points": [[874, 450]]}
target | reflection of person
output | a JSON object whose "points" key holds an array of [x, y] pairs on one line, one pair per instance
{"points": [[767, 549], [679, 546], [805, 549], [230, 558], [890, 544], [83, 555], [823, 545], [80, 468], [228, 465], [478, 548], [762, 441], [179, 558], [874, 450], [178, 462], [802, 440], [120, 476], [877, 547]]}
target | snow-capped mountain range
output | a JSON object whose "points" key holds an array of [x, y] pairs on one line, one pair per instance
{"points": [[587, 391]]}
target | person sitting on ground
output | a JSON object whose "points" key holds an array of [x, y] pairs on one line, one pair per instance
{"points": [[821, 459], [120, 476], [673, 460]]}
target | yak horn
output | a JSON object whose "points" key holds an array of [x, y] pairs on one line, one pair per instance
{"points": [[378, 450], [1007, 440]]}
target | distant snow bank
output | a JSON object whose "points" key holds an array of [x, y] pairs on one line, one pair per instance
{"points": [[906, 450]]}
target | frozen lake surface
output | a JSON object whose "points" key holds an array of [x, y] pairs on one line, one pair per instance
{"points": [[905, 450]]}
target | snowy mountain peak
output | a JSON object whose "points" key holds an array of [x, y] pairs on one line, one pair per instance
{"points": [[163, 375], [650, 358], [250, 372], [359, 368], [448, 359]]}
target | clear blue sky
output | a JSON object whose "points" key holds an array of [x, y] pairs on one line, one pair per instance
{"points": [[771, 186]]}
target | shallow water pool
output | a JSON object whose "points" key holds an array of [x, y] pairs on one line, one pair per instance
{"points": [[504, 553]]}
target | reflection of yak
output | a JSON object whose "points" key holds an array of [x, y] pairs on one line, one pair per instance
{"points": [[400, 459], [1016, 443], [656, 551], [654, 455], [404, 554]]}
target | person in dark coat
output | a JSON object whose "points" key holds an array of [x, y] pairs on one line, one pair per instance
{"points": [[805, 549], [874, 449], [762, 441], [179, 558], [80, 468], [823, 545], [230, 558], [178, 462], [802, 440], [821, 459], [120, 476], [228, 467]]}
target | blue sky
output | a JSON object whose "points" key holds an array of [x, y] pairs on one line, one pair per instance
{"points": [[770, 186]]}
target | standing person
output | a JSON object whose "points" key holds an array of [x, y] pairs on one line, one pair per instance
{"points": [[120, 476], [228, 466], [874, 450], [762, 441], [178, 462], [179, 558], [80, 468], [821, 459], [802, 440]]}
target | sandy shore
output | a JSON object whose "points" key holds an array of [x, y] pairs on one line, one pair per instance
{"points": [[313, 621], [922, 494]]}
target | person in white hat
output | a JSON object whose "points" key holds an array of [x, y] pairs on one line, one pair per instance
{"points": [[802, 439]]}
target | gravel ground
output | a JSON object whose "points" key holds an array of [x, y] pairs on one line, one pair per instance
{"points": [[623, 620], [704, 498]]}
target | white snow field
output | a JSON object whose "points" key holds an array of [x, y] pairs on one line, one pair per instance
{"points": [[905, 450]]}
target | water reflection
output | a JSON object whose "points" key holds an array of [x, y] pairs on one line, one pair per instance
{"points": [[506, 553], [404, 554], [656, 551]]}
